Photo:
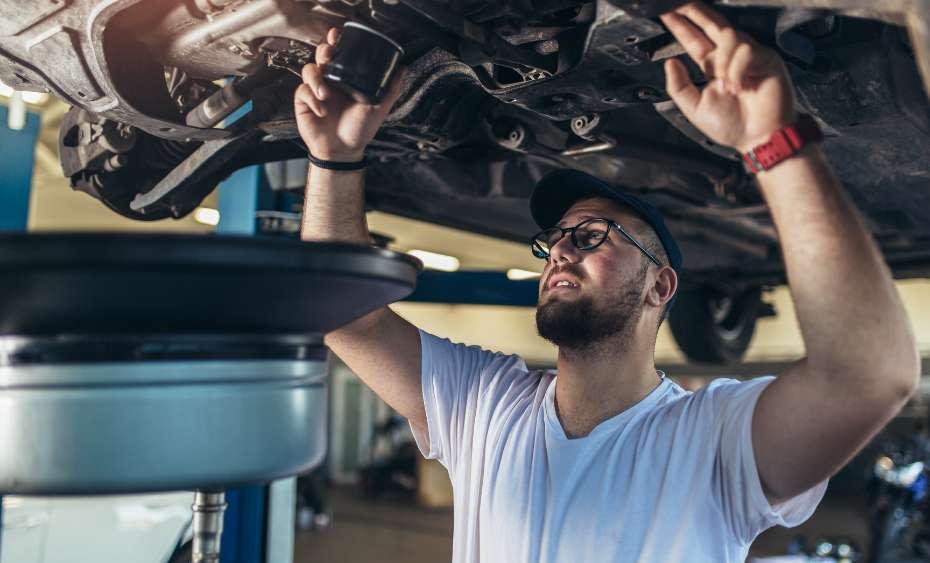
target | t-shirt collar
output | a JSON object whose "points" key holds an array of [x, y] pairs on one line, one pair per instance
{"points": [[612, 423]]}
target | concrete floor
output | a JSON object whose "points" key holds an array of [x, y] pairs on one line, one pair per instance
{"points": [[389, 531], [383, 531]]}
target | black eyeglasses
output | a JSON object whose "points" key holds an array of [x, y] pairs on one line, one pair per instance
{"points": [[586, 235]]}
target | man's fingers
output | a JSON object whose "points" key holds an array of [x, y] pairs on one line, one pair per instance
{"points": [[300, 97], [313, 76], [304, 97], [324, 53], [710, 21], [300, 108], [737, 72], [728, 41], [332, 36], [695, 42], [679, 86]]}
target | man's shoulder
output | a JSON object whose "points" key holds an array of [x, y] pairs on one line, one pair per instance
{"points": [[487, 363], [434, 341], [710, 398]]}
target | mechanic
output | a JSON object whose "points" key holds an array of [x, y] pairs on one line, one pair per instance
{"points": [[606, 459]]}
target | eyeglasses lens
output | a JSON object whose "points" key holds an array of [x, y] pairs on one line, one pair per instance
{"points": [[591, 233], [544, 241]]}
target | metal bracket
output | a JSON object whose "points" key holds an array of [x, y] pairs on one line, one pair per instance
{"points": [[193, 172], [474, 35]]}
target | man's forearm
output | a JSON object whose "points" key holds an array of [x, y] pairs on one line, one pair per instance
{"points": [[850, 314], [334, 210], [334, 207]]}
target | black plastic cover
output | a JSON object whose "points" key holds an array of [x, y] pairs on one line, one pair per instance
{"points": [[66, 284]]}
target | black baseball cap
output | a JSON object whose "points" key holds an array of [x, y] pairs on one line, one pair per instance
{"points": [[557, 191]]}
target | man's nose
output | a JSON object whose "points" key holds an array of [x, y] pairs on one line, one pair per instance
{"points": [[564, 251]]}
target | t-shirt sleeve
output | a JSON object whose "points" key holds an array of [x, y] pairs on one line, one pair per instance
{"points": [[743, 502], [462, 385]]}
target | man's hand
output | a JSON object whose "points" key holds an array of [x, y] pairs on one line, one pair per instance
{"points": [[749, 94], [334, 126]]}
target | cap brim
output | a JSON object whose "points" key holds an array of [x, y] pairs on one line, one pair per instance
{"points": [[559, 190]]}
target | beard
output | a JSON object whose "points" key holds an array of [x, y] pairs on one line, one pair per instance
{"points": [[583, 324]]}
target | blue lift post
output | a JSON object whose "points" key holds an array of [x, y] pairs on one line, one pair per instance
{"points": [[259, 522], [251, 511], [244, 193], [18, 151], [243, 538]]}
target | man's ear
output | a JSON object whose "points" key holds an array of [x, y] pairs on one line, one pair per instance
{"points": [[663, 288]]}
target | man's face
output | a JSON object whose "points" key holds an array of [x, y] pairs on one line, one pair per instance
{"points": [[604, 294]]}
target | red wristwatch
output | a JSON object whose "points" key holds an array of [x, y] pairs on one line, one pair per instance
{"points": [[783, 144]]}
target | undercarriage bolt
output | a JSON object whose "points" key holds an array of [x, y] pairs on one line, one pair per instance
{"points": [[509, 134], [585, 125]]}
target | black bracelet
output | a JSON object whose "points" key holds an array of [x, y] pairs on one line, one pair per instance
{"points": [[333, 165]]}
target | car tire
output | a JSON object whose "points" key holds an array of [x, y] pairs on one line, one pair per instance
{"points": [[714, 327]]}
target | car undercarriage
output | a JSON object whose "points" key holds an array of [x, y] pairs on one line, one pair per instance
{"points": [[498, 94]]}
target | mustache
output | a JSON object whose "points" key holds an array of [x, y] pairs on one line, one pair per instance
{"points": [[570, 269]]}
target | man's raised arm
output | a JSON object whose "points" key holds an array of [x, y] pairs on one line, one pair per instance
{"points": [[382, 348], [862, 362]]}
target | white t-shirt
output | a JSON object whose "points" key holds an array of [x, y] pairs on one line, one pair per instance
{"points": [[673, 478]]}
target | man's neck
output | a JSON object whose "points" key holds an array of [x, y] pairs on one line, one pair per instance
{"points": [[596, 384]]}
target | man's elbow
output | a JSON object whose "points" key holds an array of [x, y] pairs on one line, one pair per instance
{"points": [[900, 376], [911, 373], [890, 377]]}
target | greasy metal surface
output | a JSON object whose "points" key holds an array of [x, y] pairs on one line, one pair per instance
{"points": [[918, 25], [886, 10], [235, 94], [80, 51], [647, 8], [915, 14], [612, 74], [487, 41], [192, 171], [224, 41], [158, 426]]}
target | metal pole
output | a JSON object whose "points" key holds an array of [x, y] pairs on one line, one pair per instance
{"points": [[208, 508]]}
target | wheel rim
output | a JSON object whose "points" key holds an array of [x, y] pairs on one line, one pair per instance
{"points": [[728, 318]]}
